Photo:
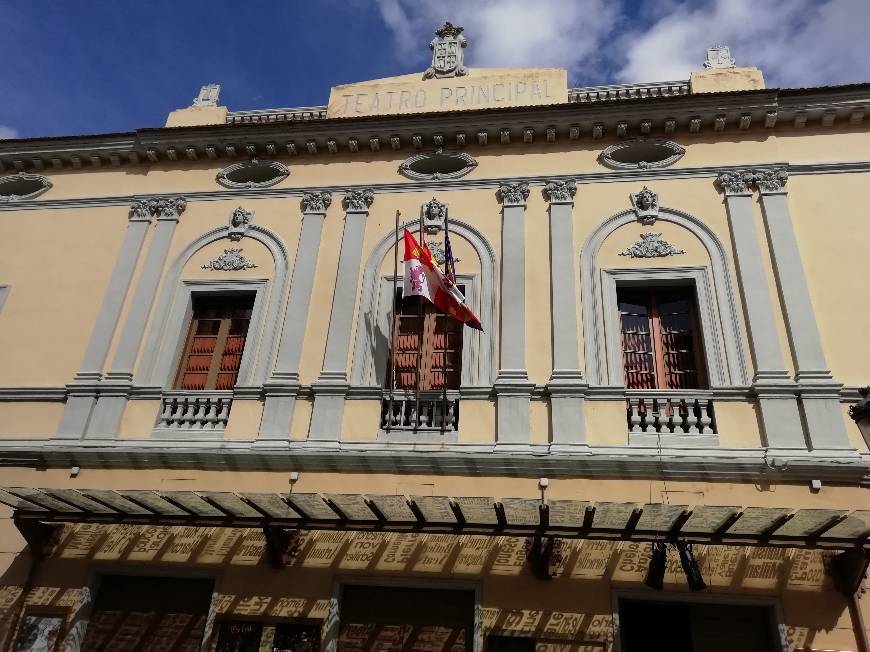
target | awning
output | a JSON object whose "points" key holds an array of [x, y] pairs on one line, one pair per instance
{"points": [[37, 509]]}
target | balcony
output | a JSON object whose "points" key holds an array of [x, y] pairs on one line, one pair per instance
{"points": [[185, 411], [431, 414], [671, 417]]}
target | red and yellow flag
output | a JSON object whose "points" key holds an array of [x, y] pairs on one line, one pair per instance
{"points": [[423, 278]]}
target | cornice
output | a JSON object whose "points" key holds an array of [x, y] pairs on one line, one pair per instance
{"points": [[626, 117], [533, 460], [400, 186]]}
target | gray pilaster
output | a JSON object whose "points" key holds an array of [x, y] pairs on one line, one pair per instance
{"points": [[118, 381], [777, 393], [820, 395], [83, 389], [283, 385], [566, 386], [512, 386], [331, 386]]}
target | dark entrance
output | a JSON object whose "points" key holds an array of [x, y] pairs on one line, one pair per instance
{"points": [[685, 627], [407, 619]]}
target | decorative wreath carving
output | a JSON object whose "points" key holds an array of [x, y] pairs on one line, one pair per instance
{"points": [[252, 174], [440, 164], [21, 186], [641, 154]]}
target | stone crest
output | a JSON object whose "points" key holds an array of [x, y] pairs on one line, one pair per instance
{"points": [[433, 213], [437, 249], [447, 53], [646, 206], [208, 95], [231, 260], [719, 56], [651, 245], [240, 221]]}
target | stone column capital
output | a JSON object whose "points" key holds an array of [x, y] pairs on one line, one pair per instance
{"points": [[735, 182], [140, 211], [168, 209], [316, 202], [358, 201], [513, 194], [560, 191], [770, 180]]}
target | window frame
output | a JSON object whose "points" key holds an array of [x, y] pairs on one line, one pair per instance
{"points": [[709, 333], [178, 327]]}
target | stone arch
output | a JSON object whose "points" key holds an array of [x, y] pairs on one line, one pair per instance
{"points": [[723, 336], [366, 372], [161, 347]]}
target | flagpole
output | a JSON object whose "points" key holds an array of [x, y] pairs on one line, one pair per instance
{"points": [[393, 334], [444, 352], [420, 340]]}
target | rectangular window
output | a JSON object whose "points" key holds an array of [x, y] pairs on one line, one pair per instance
{"points": [[661, 348], [421, 334], [215, 342]]}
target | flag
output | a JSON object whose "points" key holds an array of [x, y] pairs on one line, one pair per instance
{"points": [[424, 279]]}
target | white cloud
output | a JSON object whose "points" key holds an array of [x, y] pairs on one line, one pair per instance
{"points": [[509, 33], [795, 43], [7, 132]]}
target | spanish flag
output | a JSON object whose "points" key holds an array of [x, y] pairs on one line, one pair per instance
{"points": [[423, 278]]}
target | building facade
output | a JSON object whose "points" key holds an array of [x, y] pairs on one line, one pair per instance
{"points": [[210, 428]]}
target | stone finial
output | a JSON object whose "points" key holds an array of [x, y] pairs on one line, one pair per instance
{"points": [[735, 182], [140, 211], [208, 95], [433, 213], [168, 209], [769, 180], [316, 202], [358, 201], [240, 221], [719, 56], [646, 205], [513, 194], [560, 192]]}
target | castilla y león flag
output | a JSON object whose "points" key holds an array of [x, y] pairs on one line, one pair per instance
{"points": [[424, 279]]}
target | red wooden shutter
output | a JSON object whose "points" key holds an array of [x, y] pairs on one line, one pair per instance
{"points": [[637, 344], [218, 331]]}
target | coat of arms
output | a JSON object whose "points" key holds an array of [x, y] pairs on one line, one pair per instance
{"points": [[719, 56], [447, 53]]}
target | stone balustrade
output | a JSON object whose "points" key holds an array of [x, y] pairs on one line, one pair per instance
{"points": [[671, 412], [402, 413], [206, 411]]}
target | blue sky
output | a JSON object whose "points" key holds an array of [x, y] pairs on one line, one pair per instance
{"points": [[116, 65]]}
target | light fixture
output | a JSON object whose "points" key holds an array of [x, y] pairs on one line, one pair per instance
{"points": [[690, 567], [655, 574]]}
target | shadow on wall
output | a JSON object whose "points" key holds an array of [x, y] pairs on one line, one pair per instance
{"points": [[583, 568]]}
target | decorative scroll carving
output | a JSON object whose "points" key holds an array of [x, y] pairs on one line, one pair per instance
{"points": [[231, 260], [437, 249], [651, 245], [646, 205], [359, 200], [316, 202], [770, 179], [735, 182], [447, 53], [513, 194], [208, 95], [719, 56], [240, 221], [560, 192], [168, 209], [433, 213]]}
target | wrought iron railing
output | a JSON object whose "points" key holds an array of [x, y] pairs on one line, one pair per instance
{"points": [[405, 413], [666, 413], [205, 411], [628, 91], [277, 115]]}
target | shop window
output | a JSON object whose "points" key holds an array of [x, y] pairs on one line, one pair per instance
{"points": [[215, 342], [425, 334], [148, 613], [259, 636], [661, 345], [689, 627]]}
